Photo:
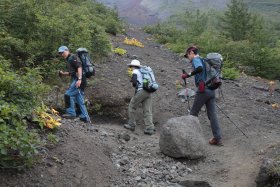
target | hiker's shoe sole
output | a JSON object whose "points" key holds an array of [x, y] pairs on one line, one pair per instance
{"points": [[149, 132], [85, 120], [68, 116], [129, 127]]}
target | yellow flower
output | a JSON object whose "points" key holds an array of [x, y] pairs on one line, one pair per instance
{"points": [[54, 111], [119, 51], [133, 41]]}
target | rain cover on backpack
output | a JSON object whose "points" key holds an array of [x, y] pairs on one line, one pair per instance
{"points": [[88, 67], [149, 81], [213, 66]]}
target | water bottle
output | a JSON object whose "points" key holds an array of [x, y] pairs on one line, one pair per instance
{"points": [[145, 83]]}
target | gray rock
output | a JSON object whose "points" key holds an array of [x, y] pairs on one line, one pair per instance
{"points": [[268, 175], [181, 137], [124, 136]]}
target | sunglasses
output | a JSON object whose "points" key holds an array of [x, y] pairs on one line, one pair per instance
{"points": [[60, 53], [186, 55]]}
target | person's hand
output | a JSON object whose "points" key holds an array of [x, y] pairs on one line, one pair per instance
{"points": [[60, 73], [78, 83], [185, 75]]}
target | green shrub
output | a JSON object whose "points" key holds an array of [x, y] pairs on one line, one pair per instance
{"points": [[112, 26], [21, 92], [230, 73], [177, 47], [18, 146]]}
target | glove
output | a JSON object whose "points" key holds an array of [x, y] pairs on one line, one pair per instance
{"points": [[185, 75], [201, 86]]}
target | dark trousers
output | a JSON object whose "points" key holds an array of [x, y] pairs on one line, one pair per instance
{"points": [[207, 98]]}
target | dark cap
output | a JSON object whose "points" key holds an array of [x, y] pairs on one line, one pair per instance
{"points": [[193, 49]]}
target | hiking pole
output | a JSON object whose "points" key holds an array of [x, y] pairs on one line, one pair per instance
{"points": [[88, 118], [189, 109], [221, 93], [184, 72], [231, 121]]}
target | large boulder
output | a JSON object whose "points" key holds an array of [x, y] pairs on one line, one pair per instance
{"points": [[181, 137], [269, 173]]}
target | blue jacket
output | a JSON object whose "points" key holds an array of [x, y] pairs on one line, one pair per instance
{"points": [[197, 62]]}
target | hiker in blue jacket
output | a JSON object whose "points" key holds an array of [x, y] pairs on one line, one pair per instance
{"points": [[204, 95], [141, 96], [75, 92]]}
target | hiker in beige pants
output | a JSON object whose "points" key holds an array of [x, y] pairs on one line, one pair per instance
{"points": [[145, 98], [141, 96]]}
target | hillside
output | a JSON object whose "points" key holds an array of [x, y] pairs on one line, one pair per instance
{"points": [[106, 154], [144, 12]]}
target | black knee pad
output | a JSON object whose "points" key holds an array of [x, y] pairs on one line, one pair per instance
{"points": [[78, 110], [67, 101]]}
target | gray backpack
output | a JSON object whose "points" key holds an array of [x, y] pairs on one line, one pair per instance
{"points": [[213, 66], [149, 81], [88, 66]]}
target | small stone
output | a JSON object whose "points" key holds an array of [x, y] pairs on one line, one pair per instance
{"points": [[189, 170]]}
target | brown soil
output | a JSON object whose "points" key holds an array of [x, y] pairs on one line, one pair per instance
{"points": [[106, 154]]}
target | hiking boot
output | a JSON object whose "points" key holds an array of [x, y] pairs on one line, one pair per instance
{"points": [[127, 126], [68, 116], [85, 120], [149, 131], [214, 141]]}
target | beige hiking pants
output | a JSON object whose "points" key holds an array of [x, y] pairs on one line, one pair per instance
{"points": [[145, 98]]}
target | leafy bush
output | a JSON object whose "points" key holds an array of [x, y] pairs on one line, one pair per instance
{"points": [[112, 26], [230, 73], [176, 47], [20, 94], [18, 146]]}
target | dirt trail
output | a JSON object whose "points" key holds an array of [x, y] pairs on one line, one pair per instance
{"points": [[236, 163], [109, 155]]}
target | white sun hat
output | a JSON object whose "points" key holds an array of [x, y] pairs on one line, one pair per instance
{"points": [[135, 63]]}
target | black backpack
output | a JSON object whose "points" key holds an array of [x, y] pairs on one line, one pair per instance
{"points": [[213, 66], [88, 66]]}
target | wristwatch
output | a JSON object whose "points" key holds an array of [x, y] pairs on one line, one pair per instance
{"points": [[80, 78]]}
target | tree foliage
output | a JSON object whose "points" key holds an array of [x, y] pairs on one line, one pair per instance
{"points": [[236, 21], [35, 29], [244, 39]]}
